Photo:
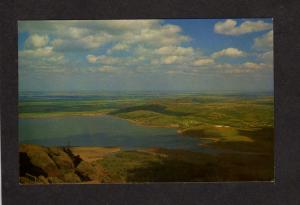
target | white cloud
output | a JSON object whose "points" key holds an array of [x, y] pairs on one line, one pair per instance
{"points": [[170, 60], [151, 46], [95, 41], [252, 65], [106, 69], [105, 60], [203, 62], [165, 55], [162, 35], [246, 67], [91, 58], [108, 60], [174, 50], [36, 41], [266, 57], [151, 42], [230, 27], [229, 52], [76, 35], [41, 60], [119, 47], [103, 69], [81, 43], [56, 42], [264, 42], [127, 25], [39, 52]]}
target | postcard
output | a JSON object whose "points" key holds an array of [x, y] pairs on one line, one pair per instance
{"points": [[139, 101]]}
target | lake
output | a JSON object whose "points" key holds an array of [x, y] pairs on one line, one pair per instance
{"points": [[100, 131]]}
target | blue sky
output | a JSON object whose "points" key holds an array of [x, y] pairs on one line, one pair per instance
{"points": [[177, 54]]}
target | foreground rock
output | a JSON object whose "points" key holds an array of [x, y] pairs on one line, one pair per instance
{"points": [[42, 165], [36, 161]]}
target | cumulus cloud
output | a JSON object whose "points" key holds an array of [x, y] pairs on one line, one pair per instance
{"points": [[81, 43], [119, 47], [39, 55], [230, 27], [45, 52], [127, 46], [103, 69], [203, 61], [246, 67], [229, 52], [106, 69], [264, 42], [174, 50], [251, 65], [266, 57], [41, 60], [165, 55], [103, 59], [91, 58], [160, 35], [171, 60], [40, 52], [76, 35], [36, 41]]}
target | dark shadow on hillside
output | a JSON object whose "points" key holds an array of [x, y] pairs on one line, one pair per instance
{"points": [[172, 170], [265, 133], [209, 169], [263, 142], [154, 108], [27, 167]]}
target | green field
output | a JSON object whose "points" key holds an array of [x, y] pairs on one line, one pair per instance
{"points": [[181, 112]]}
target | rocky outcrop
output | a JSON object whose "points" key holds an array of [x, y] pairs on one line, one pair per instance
{"points": [[36, 161], [43, 165]]}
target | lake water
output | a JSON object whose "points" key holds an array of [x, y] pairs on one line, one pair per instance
{"points": [[100, 131]]}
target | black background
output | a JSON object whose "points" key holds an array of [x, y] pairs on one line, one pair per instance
{"points": [[285, 190]]}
